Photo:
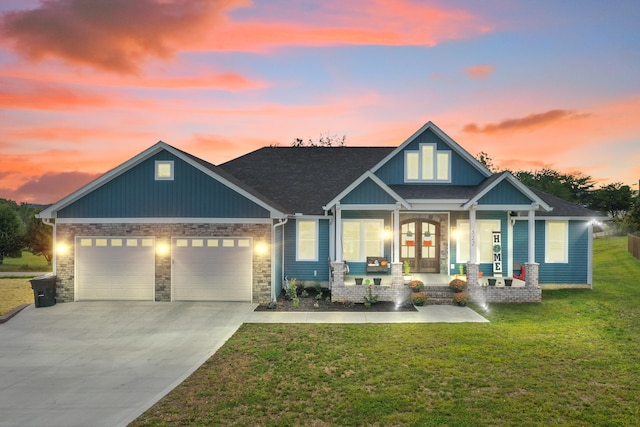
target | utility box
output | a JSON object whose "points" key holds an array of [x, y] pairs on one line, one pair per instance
{"points": [[44, 290]]}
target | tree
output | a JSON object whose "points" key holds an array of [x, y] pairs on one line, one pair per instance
{"points": [[11, 232], [486, 161], [632, 219], [574, 188], [323, 141], [39, 236], [614, 199]]}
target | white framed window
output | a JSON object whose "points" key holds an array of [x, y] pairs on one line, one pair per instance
{"points": [[556, 242], [164, 170], [484, 239], [362, 238], [307, 240], [427, 164]]}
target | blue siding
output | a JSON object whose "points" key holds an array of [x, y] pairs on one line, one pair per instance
{"points": [[304, 270], [135, 193], [368, 192], [504, 193], [462, 173], [485, 268], [575, 271]]}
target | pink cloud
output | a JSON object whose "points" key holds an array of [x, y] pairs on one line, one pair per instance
{"points": [[120, 35], [114, 35], [45, 96], [50, 187], [479, 71], [530, 121]]}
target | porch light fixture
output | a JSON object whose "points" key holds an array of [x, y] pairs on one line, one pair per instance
{"points": [[261, 248], [163, 249], [62, 248], [454, 233], [386, 233]]}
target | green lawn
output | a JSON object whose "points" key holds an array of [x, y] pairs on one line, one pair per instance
{"points": [[28, 262], [571, 360]]}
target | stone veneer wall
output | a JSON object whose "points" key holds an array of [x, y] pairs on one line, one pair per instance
{"points": [[531, 292], [65, 268]]}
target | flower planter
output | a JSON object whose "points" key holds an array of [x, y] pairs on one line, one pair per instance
{"points": [[358, 280], [377, 281], [508, 282], [492, 282]]}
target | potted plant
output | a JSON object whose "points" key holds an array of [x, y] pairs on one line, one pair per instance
{"points": [[359, 280], [409, 240], [419, 298], [458, 285], [406, 271], [416, 285], [370, 298], [377, 281], [492, 281], [461, 298], [426, 241]]}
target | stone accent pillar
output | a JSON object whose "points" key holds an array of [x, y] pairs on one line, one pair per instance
{"points": [[396, 274], [531, 276], [338, 273], [473, 271]]}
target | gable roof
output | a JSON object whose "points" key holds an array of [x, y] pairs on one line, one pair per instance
{"points": [[446, 139], [303, 179], [206, 167], [493, 181]]}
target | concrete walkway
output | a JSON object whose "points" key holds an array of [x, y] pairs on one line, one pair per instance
{"points": [[105, 363]]}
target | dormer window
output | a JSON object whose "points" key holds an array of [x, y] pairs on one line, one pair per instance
{"points": [[164, 170], [427, 164]]}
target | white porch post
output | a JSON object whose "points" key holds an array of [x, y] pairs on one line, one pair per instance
{"points": [[473, 267], [338, 233], [396, 233], [532, 234]]}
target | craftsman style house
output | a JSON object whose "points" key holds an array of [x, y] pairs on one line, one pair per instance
{"points": [[166, 225]]}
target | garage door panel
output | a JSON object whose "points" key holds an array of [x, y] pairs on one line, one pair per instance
{"points": [[212, 269], [115, 268]]}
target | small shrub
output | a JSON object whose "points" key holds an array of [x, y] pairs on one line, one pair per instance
{"points": [[370, 298], [416, 285], [296, 302], [458, 285], [291, 291], [419, 298], [461, 298]]}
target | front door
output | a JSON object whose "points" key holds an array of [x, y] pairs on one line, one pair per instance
{"points": [[419, 245]]}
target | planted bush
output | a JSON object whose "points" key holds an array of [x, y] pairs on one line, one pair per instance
{"points": [[416, 285], [458, 285], [419, 298], [461, 298]]}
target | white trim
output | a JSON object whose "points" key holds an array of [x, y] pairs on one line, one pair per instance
{"points": [[384, 187], [51, 211], [164, 220], [156, 168], [368, 207], [560, 218], [565, 239], [526, 191], [316, 239], [446, 139], [478, 223]]}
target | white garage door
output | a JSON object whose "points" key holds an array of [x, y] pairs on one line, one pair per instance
{"points": [[211, 269], [115, 268]]}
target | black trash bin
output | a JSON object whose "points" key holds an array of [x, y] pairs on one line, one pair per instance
{"points": [[44, 290]]}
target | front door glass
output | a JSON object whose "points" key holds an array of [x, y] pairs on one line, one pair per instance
{"points": [[419, 245]]}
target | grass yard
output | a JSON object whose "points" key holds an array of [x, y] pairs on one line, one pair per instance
{"points": [[15, 292], [570, 360], [28, 262]]}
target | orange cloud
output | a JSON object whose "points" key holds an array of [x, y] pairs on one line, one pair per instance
{"points": [[114, 35], [530, 121], [119, 35], [479, 71], [50, 187], [43, 96]]}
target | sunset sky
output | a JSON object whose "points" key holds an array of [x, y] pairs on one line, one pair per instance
{"points": [[87, 84]]}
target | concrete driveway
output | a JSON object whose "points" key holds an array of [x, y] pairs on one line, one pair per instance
{"points": [[104, 363]]}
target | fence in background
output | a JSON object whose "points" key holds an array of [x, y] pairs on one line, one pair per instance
{"points": [[633, 244]]}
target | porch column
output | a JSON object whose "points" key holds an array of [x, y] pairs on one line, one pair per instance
{"points": [[338, 233], [531, 268], [473, 267]]}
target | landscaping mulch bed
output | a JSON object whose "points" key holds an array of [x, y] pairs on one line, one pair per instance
{"points": [[308, 302]]}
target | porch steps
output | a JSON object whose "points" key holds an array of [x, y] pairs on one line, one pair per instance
{"points": [[439, 295]]}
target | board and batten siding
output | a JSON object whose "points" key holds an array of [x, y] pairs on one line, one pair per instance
{"points": [[573, 272], [505, 193], [462, 173], [136, 194], [307, 271], [368, 192]]}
